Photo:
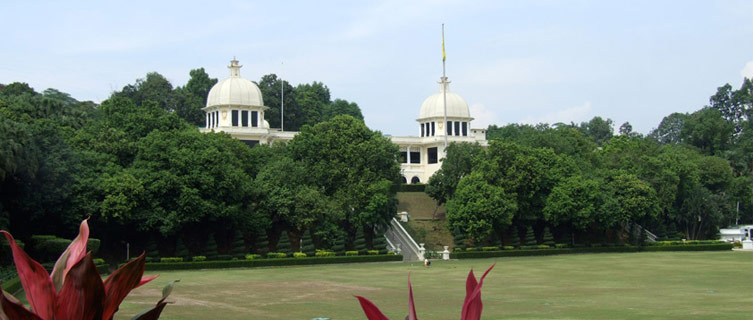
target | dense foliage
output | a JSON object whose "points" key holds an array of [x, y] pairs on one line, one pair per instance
{"points": [[137, 165], [689, 177]]}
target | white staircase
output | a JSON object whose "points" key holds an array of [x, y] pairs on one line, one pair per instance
{"points": [[401, 242]]}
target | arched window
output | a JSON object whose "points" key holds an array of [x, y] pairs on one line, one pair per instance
{"points": [[415, 180], [405, 180]]}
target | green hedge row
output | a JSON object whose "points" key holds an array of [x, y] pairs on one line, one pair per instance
{"points": [[269, 262], [546, 252]]}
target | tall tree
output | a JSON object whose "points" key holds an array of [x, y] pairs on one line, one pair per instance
{"points": [[272, 89], [457, 163], [191, 98]]}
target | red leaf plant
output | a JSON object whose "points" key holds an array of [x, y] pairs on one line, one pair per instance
{"points": [[75, 289], [471, 305]]}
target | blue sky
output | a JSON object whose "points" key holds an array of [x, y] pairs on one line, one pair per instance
{"points": [[513, 62]]}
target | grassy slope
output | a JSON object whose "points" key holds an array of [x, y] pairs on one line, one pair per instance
{"points": [[429, 226], [655, 285]]}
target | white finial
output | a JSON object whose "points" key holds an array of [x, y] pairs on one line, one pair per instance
{"points": [[235, 68]]}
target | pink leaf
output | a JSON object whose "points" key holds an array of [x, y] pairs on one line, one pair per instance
{"points": [[145, 280], [82, 296], [120, 283], [371, 311], [75, 251], [35, 281], [470, 285], [151, 314], [411, 307], [15, 311], [472, 306]]}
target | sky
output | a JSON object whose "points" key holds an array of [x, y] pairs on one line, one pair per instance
{"points": [[513, 61]]}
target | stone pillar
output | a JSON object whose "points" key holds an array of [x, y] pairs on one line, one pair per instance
{"points": [[748, 245], [397, 248], [446, 253], [421, 252], [403, 216], [407, 156]]}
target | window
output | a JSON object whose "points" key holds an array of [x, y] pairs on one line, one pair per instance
{"points": [[251, 143], [235, 117], [432, 154], [254, 119], [449, 128], [457, 128], [465, 129], [415, 180], [403, 157], [216, 118], [244, 118], [404, 179], [415, 157], [422, 129], [432, 128]]}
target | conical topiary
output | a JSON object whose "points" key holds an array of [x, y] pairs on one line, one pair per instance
{"points": [[181, 250], [238, 246], [152, 251], [210, 249], [339, 246], [515, 237], [360, 242], [261, 245], [548, 238], [530, 238], [380, 243], [307, 244], [283, 245]]}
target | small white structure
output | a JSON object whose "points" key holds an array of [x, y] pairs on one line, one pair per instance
{"points": [[446, 253], [748, 245], [736, 233], [236, 106], [403, 216]]}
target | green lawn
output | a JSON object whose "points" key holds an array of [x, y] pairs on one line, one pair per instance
{"points": [[647, 285]]}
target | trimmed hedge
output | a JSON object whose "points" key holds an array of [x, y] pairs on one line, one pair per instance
{"points": [[268, 262], [626, 248]]}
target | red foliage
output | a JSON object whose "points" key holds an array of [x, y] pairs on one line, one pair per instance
{"points": [[75, 289]]}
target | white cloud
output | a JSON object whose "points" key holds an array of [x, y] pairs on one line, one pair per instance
{"points": [[747, 71], [572, 114], [482, 116]]}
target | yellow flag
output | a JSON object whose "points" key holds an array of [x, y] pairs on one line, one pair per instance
{"points": [[444, 56]]}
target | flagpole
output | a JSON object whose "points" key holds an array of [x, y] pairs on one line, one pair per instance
{"points": [[444, 92], [282, 100]]}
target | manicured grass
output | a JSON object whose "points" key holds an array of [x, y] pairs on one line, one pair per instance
{"points": [[646, 285]]}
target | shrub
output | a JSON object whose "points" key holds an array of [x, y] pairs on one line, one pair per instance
{"points": [[508, 248], [223, 257], [372, 252], [277, 255], [252, 256], [560, 245], [198, 258], [489, 248], [324, 253], [299, 255], [93, 245], [457, 249], [283, 244], [98, 261], [171, 259], [542, 246], [413, 187], [531, 247], [268, 262], [351, 253]]}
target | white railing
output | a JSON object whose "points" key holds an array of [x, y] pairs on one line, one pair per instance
{"points": [[400, 240]]}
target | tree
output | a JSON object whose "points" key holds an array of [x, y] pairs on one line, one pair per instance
{"points": [[354, 166], [708, 131], [669, 130], [574, 202], [311, 99], [457, 163], [155, 87], [480, 209], [191, 98], [598, 129], [340, 107], [271, 87], [735, 106]]}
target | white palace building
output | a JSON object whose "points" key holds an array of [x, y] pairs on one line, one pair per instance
{"points": [[235, 106]]}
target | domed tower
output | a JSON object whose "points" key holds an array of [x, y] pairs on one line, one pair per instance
{"points": [[437, 120], [235, 105]]}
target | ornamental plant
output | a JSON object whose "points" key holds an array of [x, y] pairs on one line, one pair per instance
{"points": [[472, 306], [75, 289]]}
